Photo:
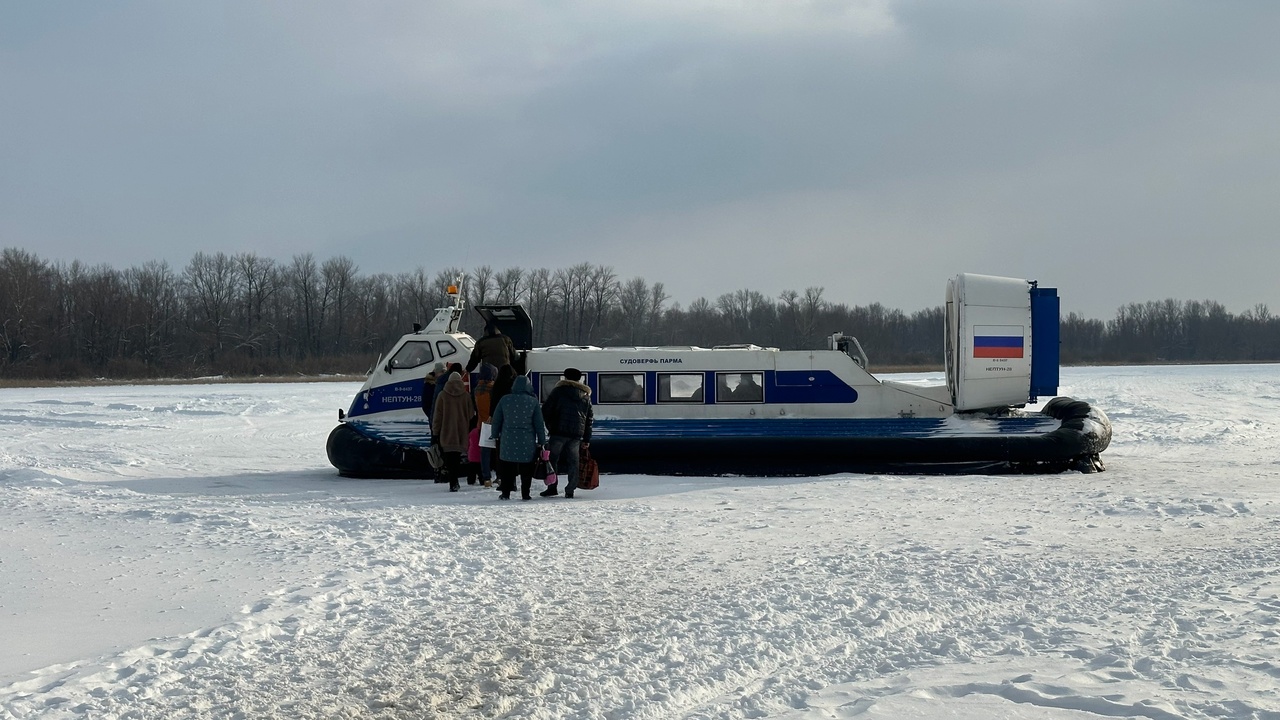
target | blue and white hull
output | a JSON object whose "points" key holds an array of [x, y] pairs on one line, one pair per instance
{"points": [[749, 410], [1068, 435]]}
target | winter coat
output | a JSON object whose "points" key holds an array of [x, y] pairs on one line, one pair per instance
{"points": [[496, 349], [473, 445], [501, 386], [484, 396], [517, 423], [429, 393], [451, 420], [567, 411]]}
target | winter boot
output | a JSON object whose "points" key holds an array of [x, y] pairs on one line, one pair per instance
{"points": [[549, 492]]}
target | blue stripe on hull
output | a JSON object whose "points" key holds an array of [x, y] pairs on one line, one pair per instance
{"points": [[824, 428], [418, 434]]}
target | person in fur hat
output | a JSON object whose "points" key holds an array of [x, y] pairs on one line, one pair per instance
{"points": [[567, 413]]}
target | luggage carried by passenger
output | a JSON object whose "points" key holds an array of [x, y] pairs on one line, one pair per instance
{"points": [[487, 440], [543, 469], [435, 456], [588, 470]]}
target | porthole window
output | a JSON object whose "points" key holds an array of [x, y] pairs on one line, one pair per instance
{"points": [[445, 348]]}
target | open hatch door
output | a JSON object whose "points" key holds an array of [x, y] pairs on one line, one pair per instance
{"points": [[512, 320]]}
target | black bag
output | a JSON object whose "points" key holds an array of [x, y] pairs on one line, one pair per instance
{"points": [[543, 469]]}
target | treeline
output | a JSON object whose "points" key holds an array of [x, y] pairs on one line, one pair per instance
{"points": [[1174, 331], [247, 315]]}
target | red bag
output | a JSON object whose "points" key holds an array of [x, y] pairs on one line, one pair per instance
{"points": [[588, 471]]}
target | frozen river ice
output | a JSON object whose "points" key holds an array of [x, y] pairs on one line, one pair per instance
{"points": [[187, 552]]}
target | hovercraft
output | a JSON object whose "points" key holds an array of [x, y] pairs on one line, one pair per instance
{"points": [[750, 410]]}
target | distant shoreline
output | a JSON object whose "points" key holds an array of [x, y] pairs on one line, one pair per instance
{"points": [[338, 377]]}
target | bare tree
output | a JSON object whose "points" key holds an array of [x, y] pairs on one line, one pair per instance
{"points": [[152, 292], [599, 293], [24, 286], [563, 292], [789, 317], [415, 291], [743, 309], [510, 285], [303, 279], [481, 285], [654, 313], [338, 276], [811, 308], [633, 307], [210, 283], [540, 286], [258, 280], [700, 320]]}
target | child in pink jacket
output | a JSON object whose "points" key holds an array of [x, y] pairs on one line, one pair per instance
{"points": [[473, 456]]}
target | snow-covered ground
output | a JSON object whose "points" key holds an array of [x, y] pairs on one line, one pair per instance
{"points": [[187, 552]]}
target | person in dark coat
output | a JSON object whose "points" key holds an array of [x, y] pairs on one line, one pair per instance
{"points": [[429, 389], [567, 413], [517, 423], [451, 428], [748, 389], [502, 385], [494, 348], [444, 376]]}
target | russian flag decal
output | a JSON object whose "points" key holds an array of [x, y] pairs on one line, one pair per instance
{"points": [[997, 341]]}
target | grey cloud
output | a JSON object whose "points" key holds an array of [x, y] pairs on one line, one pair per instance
{"points": [[1121, 151]]}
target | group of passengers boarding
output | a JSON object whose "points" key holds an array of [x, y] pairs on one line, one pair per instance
{"points": [[519, 424]]}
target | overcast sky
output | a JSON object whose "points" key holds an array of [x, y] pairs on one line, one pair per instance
{"points": [[1120, 151]]}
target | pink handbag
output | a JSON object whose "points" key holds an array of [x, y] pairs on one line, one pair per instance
{"points": [[543, 469]]}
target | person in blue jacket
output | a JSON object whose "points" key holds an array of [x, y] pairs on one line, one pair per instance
{"points": [[518, 426]]}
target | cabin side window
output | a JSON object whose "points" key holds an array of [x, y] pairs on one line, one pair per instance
{"points": [[445, 348], [680, 387], [547, 383], [739, 387], [621, 388], [411, 355]]}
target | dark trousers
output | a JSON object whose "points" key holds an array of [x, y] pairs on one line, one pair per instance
{"points": [[564, 458], [507, 475], [452, 466]]}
